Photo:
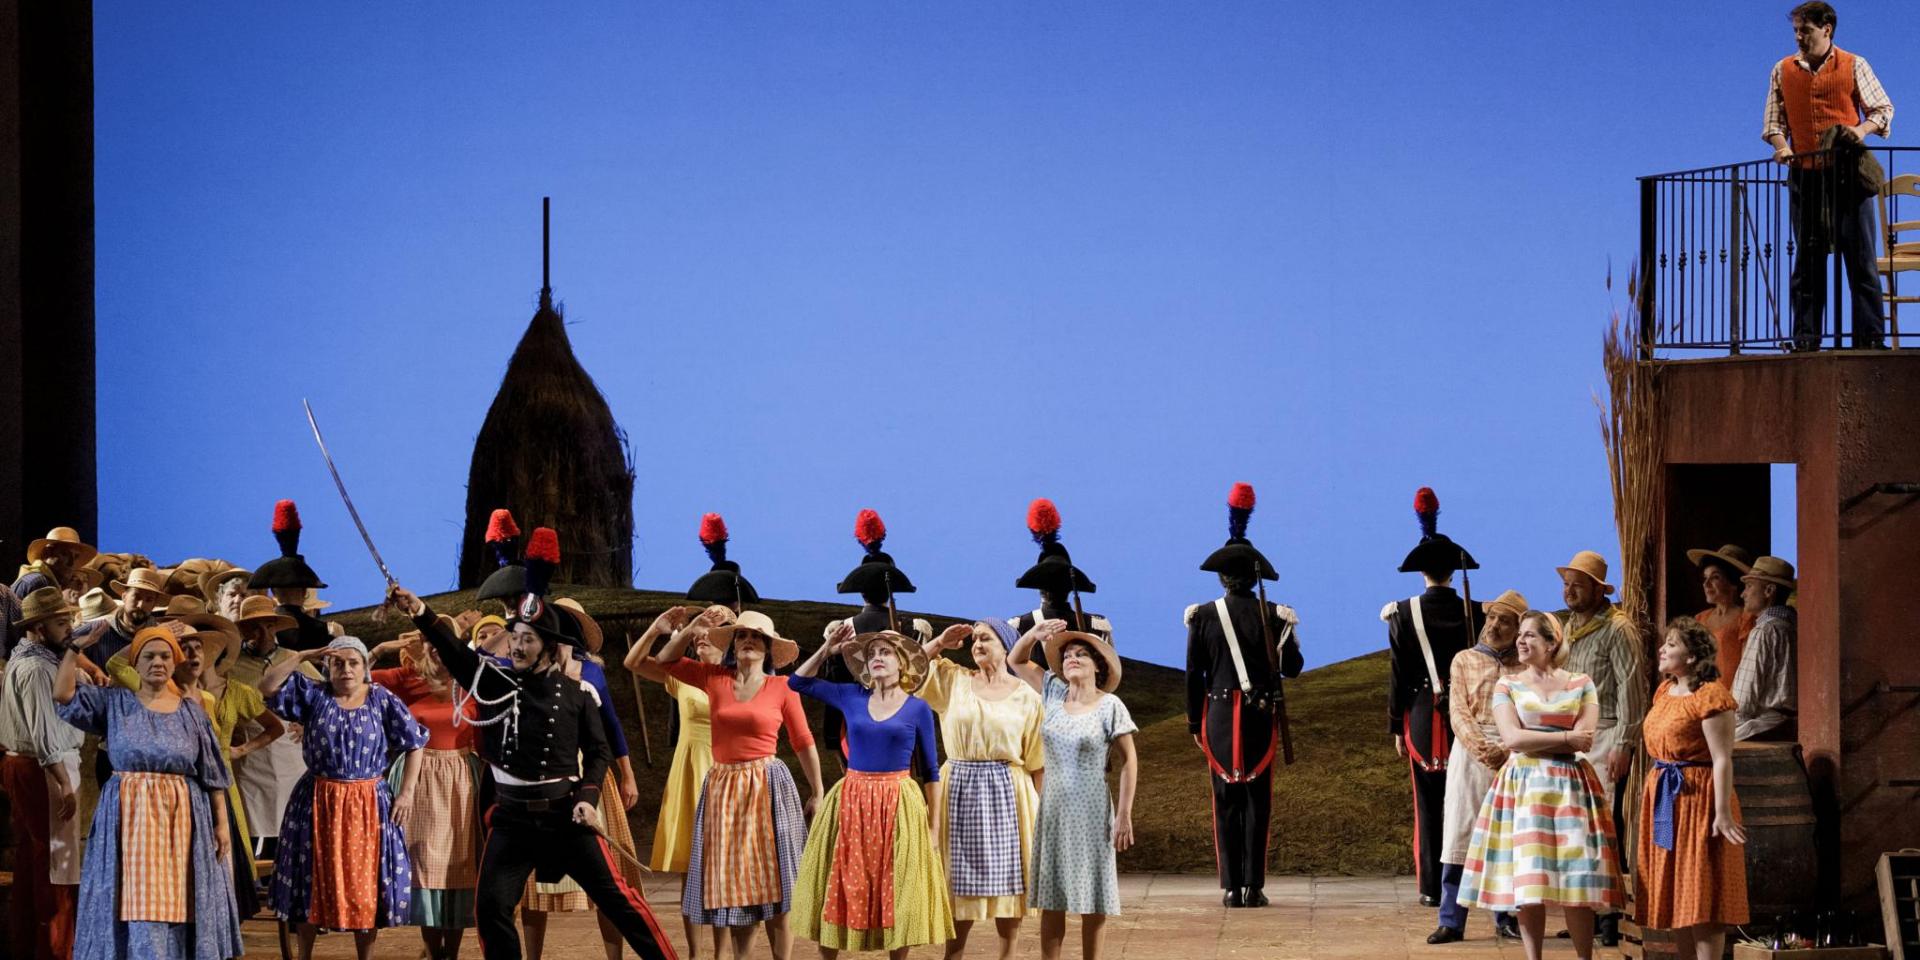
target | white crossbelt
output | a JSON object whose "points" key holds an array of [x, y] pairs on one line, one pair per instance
{"points": [[1426, 649], [1233, 645]]}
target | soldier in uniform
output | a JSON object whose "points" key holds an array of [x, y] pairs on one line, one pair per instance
{"points": [[290, 580], [1238, 648], [876, 580], [1060, 582], [1423, 635]]}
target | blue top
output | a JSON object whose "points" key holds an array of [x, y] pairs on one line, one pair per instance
{"points": [[342, 744], [595, 676], [139, 740], [877, 746]]}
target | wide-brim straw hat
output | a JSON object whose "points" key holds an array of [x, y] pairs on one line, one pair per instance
{"points": [[1773, 570], [1510, 601], [1732, 555], [212, 580], [142, 578], [64, 539], [180, 606], [95, 604], [1059, 641], [782, 650], [43, 604], [913, 659], [590, 634], [255, 609], [219, 638], [1590, 564]]}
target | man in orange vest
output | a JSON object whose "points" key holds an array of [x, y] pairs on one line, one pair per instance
{"points": [[1817, 89]]}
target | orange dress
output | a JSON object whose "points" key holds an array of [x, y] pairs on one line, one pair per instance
{"points": [[1729, 641], [1703, 879]]}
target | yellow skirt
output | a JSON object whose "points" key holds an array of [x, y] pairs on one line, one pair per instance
{"points": [[673, 832], [1026, 803], [566, 896], [921, 913]]}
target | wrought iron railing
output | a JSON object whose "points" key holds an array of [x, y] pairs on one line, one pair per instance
{"points": [[1718, 246]]}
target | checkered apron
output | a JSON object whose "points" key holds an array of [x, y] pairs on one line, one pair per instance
{"points": [[781, 838], [156, 845], [983, 830]]}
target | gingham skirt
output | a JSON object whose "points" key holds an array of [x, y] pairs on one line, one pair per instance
{"points": [[156, 836], [983, 830], [759, 833]]}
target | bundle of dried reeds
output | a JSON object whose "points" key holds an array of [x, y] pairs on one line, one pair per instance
{"points": [[1630, 428]]}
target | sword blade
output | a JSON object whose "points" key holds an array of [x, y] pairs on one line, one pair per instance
{"points": [[341, 486]]}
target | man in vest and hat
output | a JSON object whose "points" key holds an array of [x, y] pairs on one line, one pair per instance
{"points": [[1477, 756], [876, 579], [291, 581], [1060, 582], [1824, 91], [1603, 644], [1238, 648], [1424, 633], [41, 775], [1764, 685]]}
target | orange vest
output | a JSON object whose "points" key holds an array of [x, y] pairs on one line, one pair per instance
{"points": [[1816, 101]]}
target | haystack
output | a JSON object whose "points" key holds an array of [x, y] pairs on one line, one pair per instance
{"points": [[551, 452]]}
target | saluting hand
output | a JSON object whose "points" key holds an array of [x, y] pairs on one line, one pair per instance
{"points": [[956, 636], [841, 637]]}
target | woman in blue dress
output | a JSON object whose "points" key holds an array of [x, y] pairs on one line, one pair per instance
{"points": [[342, 862], [1081, 829], [155, 882]]}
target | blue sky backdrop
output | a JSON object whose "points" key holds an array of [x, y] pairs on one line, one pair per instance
{"points": [[934, 259]]}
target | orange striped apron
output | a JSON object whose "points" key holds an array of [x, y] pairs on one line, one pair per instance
{"points": [[860, 881], [346, 854], [742, 865], [156, 846]]}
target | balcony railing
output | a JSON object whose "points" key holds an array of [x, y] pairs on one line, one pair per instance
{"points": [[1718, 245]]}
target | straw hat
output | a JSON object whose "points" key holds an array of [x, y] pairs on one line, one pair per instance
{"points": [[1731, 554], [211, 581], [95, 604], [1768, 570], [45, 603], [143, 578], [1058, 642], [219, 638], [62, 539], [1593, 565], [182, 606], [782, 650], [1510, 602], [913, 660], [256, 609], [590, 634], [313, 604]]}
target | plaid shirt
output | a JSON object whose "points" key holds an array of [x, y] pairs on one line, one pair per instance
{"points": [[1868, 95], [1764, 687], [1470, 700], [1607, 648]]}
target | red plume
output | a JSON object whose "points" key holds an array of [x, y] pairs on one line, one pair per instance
{"points": [[712, 529], [544, 545], [1043, 520], [869, 529], [501, 527], [1426, 501], [1241, 496], [286, 516]]}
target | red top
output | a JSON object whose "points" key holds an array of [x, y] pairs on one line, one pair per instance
{"points": [[750, 730], [427, 707]]}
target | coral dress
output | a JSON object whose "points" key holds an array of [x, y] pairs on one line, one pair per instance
{"points": [[692, 758], [1703, 879]]}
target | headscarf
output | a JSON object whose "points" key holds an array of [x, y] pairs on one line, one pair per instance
{"points": [[354, 644], [473, 632], [157, 634]]}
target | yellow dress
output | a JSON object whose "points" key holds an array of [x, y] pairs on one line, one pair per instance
{"points": [[692, 758], [1006, 731]]}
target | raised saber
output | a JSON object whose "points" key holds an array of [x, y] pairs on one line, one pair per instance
{"points": [[344, 498]]}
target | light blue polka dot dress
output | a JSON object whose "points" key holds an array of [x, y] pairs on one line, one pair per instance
{"points": [[1073, 859]]}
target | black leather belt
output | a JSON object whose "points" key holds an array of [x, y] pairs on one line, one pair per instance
{"points": [[535, 798]]}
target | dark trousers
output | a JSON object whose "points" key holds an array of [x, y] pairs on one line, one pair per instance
{"points": [[1240, 741], [40, 914], [518, 842], [1812, 202], [1429, 803]]}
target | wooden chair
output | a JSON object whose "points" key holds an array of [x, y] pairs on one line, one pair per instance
{"points": [[1902, 256]]}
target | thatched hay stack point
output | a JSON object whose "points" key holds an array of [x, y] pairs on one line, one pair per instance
{"points": [[551, 452]]}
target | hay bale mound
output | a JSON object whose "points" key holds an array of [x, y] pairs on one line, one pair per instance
{"points": [[551, 452]]}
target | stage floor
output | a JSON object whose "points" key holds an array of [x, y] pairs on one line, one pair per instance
{"points": [[1167, 916]]}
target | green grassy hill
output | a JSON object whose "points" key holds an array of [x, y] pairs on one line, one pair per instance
{"points": [[1341, 808]]}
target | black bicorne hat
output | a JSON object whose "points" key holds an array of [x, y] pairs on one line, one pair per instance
{"points": [[1054, 571], [554, 623], [509, 582], [1436, 553], [1239, 555], [289, 569], [876, 571], [723, 584]]}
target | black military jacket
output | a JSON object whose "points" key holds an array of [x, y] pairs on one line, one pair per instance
{"points": [[1409, 692], [1210, 663]]}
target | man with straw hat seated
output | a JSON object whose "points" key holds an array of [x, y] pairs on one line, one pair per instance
{"points": [[1764, 687], [41, 775]]}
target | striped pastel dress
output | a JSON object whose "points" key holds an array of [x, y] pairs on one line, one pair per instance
{"points": [[1545, 834]]}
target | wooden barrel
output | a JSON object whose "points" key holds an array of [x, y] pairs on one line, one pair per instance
{"points": [[1776, 808]]}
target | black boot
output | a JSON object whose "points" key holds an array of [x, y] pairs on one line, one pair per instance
{"points": [[1506, 926], [1233, 898], [1608, 930], [1255, 897], [1446, 935]]}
